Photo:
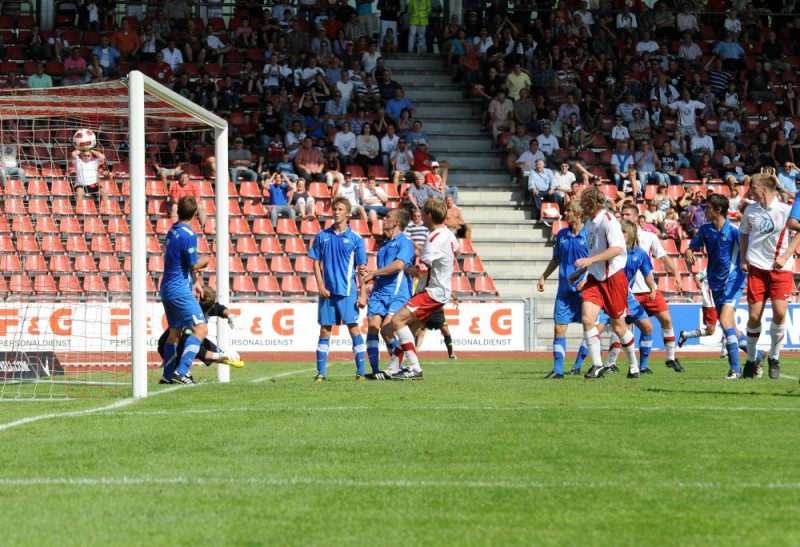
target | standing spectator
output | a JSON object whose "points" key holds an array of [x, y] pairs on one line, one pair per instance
{"points": [[240, 159], [390, 12], [730, 52], [687, 108], [58, 47], [185, 187], [418, 13], [87, 177], [339, 257]]}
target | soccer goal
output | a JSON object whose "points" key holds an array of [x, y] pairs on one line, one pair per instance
{"points": [[79, 268]]}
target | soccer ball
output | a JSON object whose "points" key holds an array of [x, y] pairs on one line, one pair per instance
{"points": [[84, 139]]}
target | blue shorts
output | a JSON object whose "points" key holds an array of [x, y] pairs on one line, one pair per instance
{"points": [[386, 303], [727, 297], [337, 310], [635, 310], [183, 311], [568, 308]]}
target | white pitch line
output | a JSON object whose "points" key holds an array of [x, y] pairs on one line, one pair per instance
{"points": [[282, 375], [357, 408], [398, 483]]}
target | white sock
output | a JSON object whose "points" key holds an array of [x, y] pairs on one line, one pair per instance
{"points": [[777, 334], [592, 338], [752, 339], [409, 348], [613, 351], [669, 343], [630, 350], [696, 333]]}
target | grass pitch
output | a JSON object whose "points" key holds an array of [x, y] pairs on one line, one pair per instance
{"points": [[480, 452]]}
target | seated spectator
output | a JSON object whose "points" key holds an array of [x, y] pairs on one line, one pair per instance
{"points": [[345, 144], [169, 162], [389, 143], [455, 220], [668, 164], [350, 190], [310, 162], [367, 148], [620, 133], [706, 169], [402, 162], [700, 144], [527, 160], [240, 160], [564, 179], [694, 214], [517, 144], [787, 174], [418, 192], [185, 187], [416, 230], [623, 170], [213, 48], [126, 41], [645, 161], [646, 226], [542, 188], [74, 69], [501, 115], [108, 56], [672, 226], [302, 202], [374, 200], [758, 83], [734, 164], [433, 178], [285, 167], [730, 52], [655, 217], [690, 53], [293, 140], [279, 187]]}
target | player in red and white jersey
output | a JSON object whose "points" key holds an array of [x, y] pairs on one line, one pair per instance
{"points": [[435, 267], [656, 307], [606, 286], [767, 251]]}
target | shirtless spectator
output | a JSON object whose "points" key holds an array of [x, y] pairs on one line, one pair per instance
{"points": [[455, 220]]}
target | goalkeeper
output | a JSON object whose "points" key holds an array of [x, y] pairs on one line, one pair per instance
{"points": [[209, 352]]}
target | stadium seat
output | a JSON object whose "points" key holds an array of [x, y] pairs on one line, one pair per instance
{"points": [[323, 208], [311, 285], [155, 264], [60, 264], [4, 227], [14, 206], [271, 246], [688, 287], [85, 263], [119, 226], [39, 207], [61, 207], [14, 187], [210, 227], [281, 264], [22, 225], [155, 189], [163, 225], [122, 244], [110, 207], [295, 246], [250, 190], [235, 265], [85, 207], [27, 244], [51, 244], [51, 170], [253, 208], [101, 244], [70, 225], [355, 171], [287, 226], [69, 284], [292, 284], [44, 284], [551, 211], [461, 285], [38, 187], [370, 245], [263, 226], [35, 263], [6, 244], [94, 284], [120, 284], [239, 226], [246, 246], [360, 227], [473, 265], [3, 286], [93, 226], [107, 263], [257, 265], [310, 227], [319, 190], [233, 208], [376, 229], [268, 285], [243, 284], [485, 285], [669, 246], [61, 188], [19, 285], [379, 172], [305, 265]]}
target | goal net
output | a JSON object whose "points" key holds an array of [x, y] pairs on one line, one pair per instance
{"points": [[82, 228]]}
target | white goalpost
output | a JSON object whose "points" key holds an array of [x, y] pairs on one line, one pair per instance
{"points": [[68, 265]]}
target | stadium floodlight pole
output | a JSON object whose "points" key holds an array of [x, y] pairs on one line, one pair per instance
{"points": [[138, 85]]}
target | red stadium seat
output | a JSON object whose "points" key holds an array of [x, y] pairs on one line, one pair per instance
{"points": [[310, 227], [27, 244], [263, 226], [93, 226], [44, 284], [108, 264], [70, 225], [268, 285], [246, 246], [254, 208], [281, 264], [85, 263], [305, 265], [243, 284], [24, 225], [85, 207], [120, 284], [239, 227], [51, 244], [461, 285], [287, 226], [295, 246], [69, 284], [271, 246], [311, 285], [102, 244], [35, 263], [19, 284], [119, 226], [94, 284], [6, 244], [60, 264], [250, 190], [485, 285], [39, 207], [257, 265], [292, 284], [473, 265]]}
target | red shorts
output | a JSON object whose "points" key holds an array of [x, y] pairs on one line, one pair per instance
{"points": [[422, 306], [652, 307], [611, 295], [710, 316], [772, 284]]}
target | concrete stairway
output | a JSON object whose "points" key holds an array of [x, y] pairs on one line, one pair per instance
{"points": [[513, 250]]}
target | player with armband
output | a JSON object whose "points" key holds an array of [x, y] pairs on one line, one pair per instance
{"points": [[209, 352], [606, 286], [570, 246], [391, 288]]}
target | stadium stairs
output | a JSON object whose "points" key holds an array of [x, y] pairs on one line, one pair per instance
{"points": [[514, 250]]}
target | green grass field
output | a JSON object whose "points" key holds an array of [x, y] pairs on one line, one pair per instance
{"points": [[480, 452]]}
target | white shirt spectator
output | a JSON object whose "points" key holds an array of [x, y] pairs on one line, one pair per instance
{"points": [[687, 111], [547, 145], [349, 191], [174, 58], [344, 143]]}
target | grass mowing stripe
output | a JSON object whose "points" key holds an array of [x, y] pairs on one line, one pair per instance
{"points": [[396, 483]]}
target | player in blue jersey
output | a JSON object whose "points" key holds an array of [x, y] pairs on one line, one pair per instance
{"points": [[339, 256], [209, 352], [179, 292], [570, 246], [724, 274], [391, 288]]}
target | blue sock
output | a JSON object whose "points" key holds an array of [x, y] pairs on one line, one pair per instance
{"points": [[732, 345], [169, 360], [583, 352], [374, 352], [359, 349], [559, 349], [391, 345], [323, 347], [645, 347], [742, 340], [190, 348]]}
